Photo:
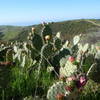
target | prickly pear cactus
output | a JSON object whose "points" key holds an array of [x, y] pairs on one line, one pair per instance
{"points": [[88, 62], [46, 53], [55, 89], [83, 48], [63, 61], [76, 39], [57, 43], [47, 50], [46, 33], [68, 70], [34, 53], [3, 53], [37, 42], [28, 98], [9, 55], [94, 74], [97, 56]]}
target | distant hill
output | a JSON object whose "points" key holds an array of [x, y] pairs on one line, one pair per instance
{"points": [[88, 27], [9, 32]]}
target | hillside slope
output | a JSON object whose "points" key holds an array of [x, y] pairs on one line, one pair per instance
{"points": [[9, 32], [89, 28]]}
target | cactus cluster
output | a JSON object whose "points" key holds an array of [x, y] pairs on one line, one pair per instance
{"points": [[78, 61], [68, 70], [44, 45], [56, 89], [46, 57]]}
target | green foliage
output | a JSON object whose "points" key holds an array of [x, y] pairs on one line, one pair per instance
{"points": [[94, 75], [4, 76], [22, 83], [88, 62], [91, 91]]}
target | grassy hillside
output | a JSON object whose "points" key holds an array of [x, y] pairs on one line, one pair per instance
{"points": [[9, 32], [67, 28]]}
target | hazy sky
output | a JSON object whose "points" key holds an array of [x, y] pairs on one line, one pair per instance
{"points": [[26, 12]]}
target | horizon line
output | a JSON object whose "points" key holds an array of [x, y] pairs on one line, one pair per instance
{"points": [[29, 23]]}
